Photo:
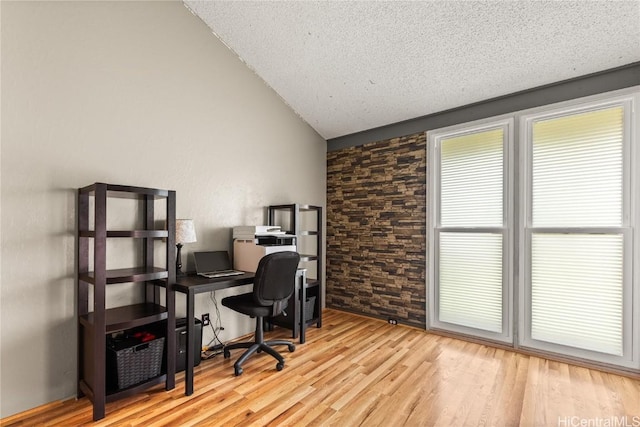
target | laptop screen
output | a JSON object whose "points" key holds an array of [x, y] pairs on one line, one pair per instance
{"points": [[212, 261]]}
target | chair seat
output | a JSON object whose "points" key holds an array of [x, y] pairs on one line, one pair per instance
{"points": [[245, 304]]}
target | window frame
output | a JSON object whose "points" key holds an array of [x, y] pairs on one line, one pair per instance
{"points": [[434, 145], [516, 268], [628, 99]]}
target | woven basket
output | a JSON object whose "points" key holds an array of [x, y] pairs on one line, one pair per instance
{"points": [[137, 363], [309, 306]]}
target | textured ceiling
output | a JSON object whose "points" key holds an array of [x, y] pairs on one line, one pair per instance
{"points": [[348, 66]]}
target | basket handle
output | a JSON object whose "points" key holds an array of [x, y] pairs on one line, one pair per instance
{"points": [[141, 347]]}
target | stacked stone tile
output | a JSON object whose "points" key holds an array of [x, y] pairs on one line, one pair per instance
{"points": [[376, 229]]}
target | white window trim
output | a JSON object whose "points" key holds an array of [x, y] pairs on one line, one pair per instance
{"points": [[517, 239], [434, 138], [631, 287]]}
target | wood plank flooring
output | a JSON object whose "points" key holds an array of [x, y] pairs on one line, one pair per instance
{"points": [[360, 371]]}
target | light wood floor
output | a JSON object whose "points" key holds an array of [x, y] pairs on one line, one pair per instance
{"points": [[360, 371]]}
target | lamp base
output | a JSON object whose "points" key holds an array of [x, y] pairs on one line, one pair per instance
{"points": [[179, 261]]}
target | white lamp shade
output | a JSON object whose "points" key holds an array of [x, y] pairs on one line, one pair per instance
{"points": [[185, 231]]}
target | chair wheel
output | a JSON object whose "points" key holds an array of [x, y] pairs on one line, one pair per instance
{"points": [[238, 371], [292, 348], [226, 353], [279, 366]]}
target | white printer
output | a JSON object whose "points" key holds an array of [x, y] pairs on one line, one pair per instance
{"points": [[252, 242]]}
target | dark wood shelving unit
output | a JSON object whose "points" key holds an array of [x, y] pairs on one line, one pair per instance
{"points": [[312, 286], [97, 322]]}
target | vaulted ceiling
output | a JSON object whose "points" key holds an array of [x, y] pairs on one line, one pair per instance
{"points": [[348, 66]]}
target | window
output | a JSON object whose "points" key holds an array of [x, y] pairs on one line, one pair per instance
{"points": [[577, 234], [471, 231], [567, 237]]}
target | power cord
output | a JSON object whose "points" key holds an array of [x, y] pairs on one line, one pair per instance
{"points": [[213, 349], [210, 354]]}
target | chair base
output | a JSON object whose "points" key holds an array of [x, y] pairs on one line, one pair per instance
{"points": [[257, 346]]}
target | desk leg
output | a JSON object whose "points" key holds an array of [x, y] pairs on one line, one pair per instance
{"points": [[188, 381], [303, 303]]}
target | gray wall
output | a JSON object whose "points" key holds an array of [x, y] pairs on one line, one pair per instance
{"points": [[133, 93], [590, 84]]}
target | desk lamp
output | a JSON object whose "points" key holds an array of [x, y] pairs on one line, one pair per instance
{"points": [[185, 233]]}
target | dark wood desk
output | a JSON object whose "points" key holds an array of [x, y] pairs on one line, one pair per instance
{"points": [[190, 285]]}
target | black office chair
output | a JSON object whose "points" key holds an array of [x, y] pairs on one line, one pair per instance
{"points": [[273, 285]]}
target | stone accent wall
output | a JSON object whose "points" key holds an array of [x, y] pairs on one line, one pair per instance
{"points": [[376, 229]]}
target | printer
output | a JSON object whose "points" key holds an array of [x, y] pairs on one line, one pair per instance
{"points": [[252, 242]]}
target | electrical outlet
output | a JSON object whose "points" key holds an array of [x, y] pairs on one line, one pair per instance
{"points": [[393, 321], [205, 319]]}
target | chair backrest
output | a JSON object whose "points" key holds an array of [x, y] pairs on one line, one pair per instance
{"points": [[275, 279]]}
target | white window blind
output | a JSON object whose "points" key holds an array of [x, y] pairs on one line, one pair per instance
{"points": [[577, 170], [471, 177], [576, 232], [576, 286], [471, 280], [470, 231]]}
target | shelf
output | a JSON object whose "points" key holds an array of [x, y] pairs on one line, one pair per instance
{"points": [[113, 395], [308, 257], [283, 321], [312, 283], [302, 232], [136, 234], [128, 316], [309, 208], [292, 207], [312, 321], [126, 191], [124, 275], [287, 321]]}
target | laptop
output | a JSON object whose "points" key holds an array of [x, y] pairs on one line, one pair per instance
{"points": [[214, 264]]}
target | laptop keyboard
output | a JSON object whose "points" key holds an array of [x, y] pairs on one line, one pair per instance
{"points": [[221, 273]]}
